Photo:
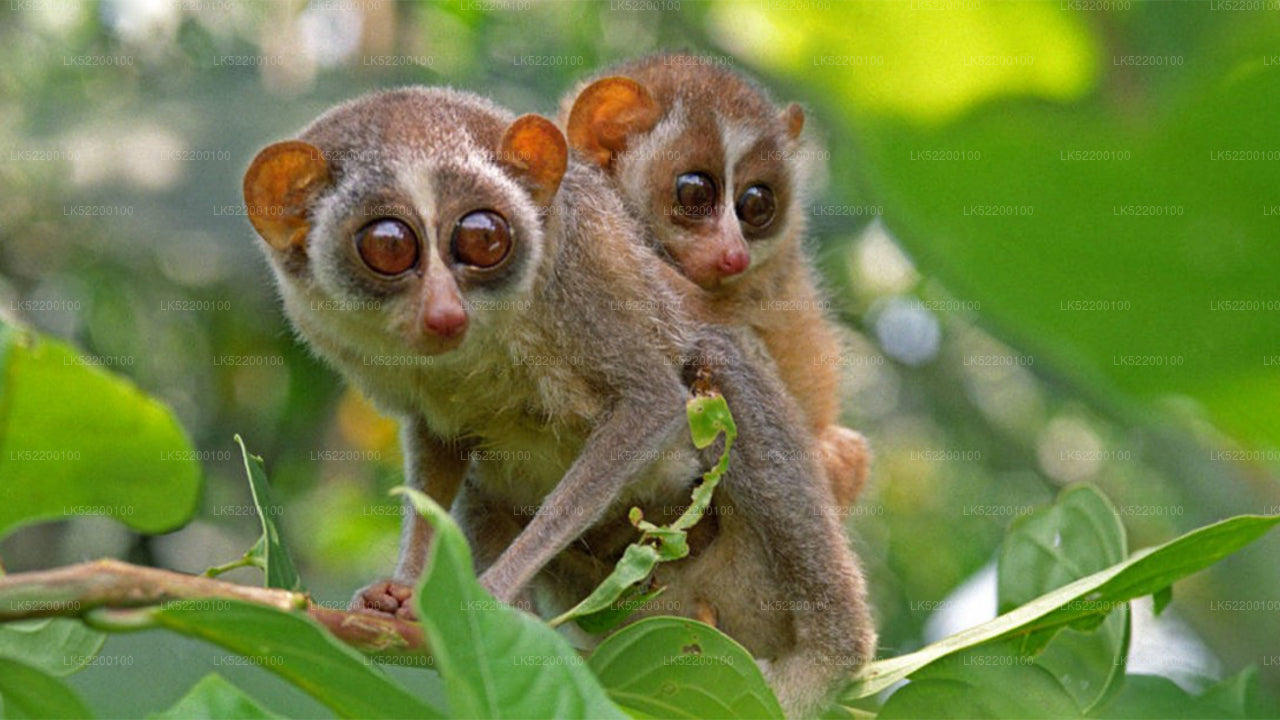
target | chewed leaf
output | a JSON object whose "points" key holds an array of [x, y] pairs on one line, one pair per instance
{"points": [[708, 417]]}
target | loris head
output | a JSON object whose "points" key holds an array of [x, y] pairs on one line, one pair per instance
{"points": [[703, 154], [403, 220]]}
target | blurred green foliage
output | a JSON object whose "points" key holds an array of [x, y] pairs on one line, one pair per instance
{"points": [[148, 114]]}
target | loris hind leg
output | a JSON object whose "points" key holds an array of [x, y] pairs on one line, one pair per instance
{"points": [[814, 586], [846, 458]]}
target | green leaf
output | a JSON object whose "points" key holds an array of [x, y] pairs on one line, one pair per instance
{"points": [[1165, 295], [709, 417], [298, 649], [988, 682], [1150, 696], [269, 552], [76, 439], [213, 698], [679, 668], [29, 693], [611, 617], [1144, 573], [1161, 599], [496, 661], [1238, 696], [1078, 535], [58, 646], [637, 562]]}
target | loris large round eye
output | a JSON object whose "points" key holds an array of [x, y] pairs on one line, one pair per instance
{"points": [[481, 239], [756, 206], [696, 194], [388, 246]]}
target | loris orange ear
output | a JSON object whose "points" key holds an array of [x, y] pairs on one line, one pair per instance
{"points": [[535, 151], [793, 119], [279, 184], [606, 113]]}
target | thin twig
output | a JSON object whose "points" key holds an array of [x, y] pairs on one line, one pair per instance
{"points": [[75, 590]]}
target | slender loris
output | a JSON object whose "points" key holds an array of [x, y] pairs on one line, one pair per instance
{"points": [[718, 175], [451, 262]]}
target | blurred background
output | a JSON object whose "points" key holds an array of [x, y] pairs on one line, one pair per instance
{"points": [[1049, 228]]}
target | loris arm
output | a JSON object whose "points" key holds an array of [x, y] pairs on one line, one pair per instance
{"points": [[436, 468], [640, 424]]}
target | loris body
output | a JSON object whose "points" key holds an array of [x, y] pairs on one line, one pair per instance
{"points": [[719, 175], [504, 300]]}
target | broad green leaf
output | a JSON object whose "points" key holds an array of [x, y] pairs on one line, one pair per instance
{"points": [[269, 552], [1078, 535], [1146, 572], [915, 64], [709, 417], [989, 682], [678, 668], [301, 651], [58, 646], [1140, 262], [496, 661], [1238, 696], [1151, 696], [26, 692], [76, 439], [213, 698]]}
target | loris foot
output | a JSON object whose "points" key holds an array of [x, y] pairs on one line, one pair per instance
{"points": [[386, 597], [847, 460]]}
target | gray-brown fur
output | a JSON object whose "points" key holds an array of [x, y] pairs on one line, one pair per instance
{"points": [[569, 375], [704, 110]]}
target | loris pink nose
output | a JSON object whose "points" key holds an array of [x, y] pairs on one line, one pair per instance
{"points": [[734, 261], [446, 320]]}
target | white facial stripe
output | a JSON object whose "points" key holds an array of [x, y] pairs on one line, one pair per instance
{"points": [[418, 180], [641, 155], [419, 176], [736, 139]]}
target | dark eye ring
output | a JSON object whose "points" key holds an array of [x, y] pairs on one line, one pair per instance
{"points": [[696, 194], [481, 239], [388, 246], [756, 206]]}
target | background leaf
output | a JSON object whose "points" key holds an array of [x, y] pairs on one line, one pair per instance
{"points": [[213, 698], [26, 692], [58, 646], [988, 682], [1078, 535], [1150, 696], [76, 439], [1093, 596], [1061, 85]]}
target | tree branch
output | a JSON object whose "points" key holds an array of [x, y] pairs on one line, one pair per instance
{"points": [[77, 589]]}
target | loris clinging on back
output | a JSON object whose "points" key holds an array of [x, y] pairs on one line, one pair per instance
{"points": [[453, 263], [719, 175]]}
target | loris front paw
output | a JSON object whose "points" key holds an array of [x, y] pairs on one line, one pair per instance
{"points": [[386, 597]]}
